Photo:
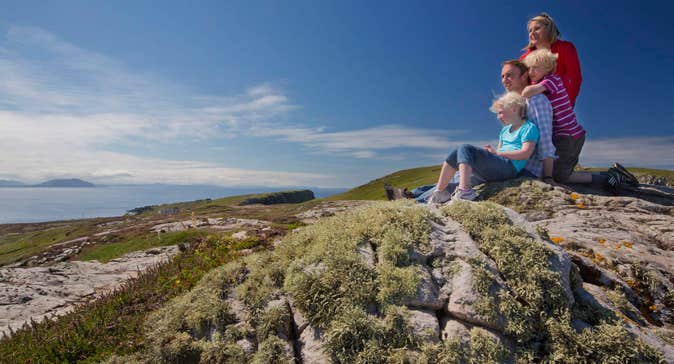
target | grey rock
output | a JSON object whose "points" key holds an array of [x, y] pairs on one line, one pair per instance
{"points": [[311, 346], [425, 325]]}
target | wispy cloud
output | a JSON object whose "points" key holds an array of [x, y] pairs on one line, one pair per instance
{"points": [[362, 143], [60, 105], [657, 152]]}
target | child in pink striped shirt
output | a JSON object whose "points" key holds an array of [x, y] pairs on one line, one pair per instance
{"points": [[568, 136]]}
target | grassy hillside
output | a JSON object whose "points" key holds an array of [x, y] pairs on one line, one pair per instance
{"points": [[19, 241], [407, 178], [415, 177]]}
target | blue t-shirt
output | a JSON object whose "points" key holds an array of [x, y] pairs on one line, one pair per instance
{"points": [[528, 132]]}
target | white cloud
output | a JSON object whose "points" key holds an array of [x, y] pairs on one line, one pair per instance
{"points": [[362, 143], [657, 152], [62, 106]]}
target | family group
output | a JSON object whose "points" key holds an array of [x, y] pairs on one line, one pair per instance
{"points": [[541, 136]]}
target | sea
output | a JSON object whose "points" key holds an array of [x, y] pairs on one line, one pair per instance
{"points": [[38, 204]]}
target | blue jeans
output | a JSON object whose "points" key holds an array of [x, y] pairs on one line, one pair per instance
{"points": [[489, 166], [423, 193]]}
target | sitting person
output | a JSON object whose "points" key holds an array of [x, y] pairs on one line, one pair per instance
{"points": [[568, 136], [517, 141]]}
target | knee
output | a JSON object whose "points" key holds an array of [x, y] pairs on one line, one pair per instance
{"points": [[451, 159], [467, 148]]}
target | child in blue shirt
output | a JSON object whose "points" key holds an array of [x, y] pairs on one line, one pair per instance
{"points": [[517, 141]]}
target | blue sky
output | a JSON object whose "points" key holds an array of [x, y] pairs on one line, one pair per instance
{"points": [[313, 93]]}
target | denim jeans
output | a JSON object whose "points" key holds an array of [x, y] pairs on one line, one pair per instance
{"points": [[423, 193], [489, 166]]}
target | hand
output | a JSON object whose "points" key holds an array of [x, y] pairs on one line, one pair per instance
{"points": [[490, 149]]}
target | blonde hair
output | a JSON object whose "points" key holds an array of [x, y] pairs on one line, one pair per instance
{"points": [[543, 58], [509, 100], [548, 23]]}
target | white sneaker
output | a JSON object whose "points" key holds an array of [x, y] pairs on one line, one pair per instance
{"points": [[439, 197], [460, 194]]}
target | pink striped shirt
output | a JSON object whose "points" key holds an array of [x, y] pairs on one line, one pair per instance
{"points": [[563, 117]]}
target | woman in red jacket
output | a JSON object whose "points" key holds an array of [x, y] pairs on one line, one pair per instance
{"points": [[543, 33]]}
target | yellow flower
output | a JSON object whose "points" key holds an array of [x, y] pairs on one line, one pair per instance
{"points": [[177, 281], [652, 307], [574, 196], [627, 244], [580, 205], [556, 239], [598, 257], [602, 241]]}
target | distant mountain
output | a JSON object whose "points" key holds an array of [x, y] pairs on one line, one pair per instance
{"points": [[73, 182], [10, 183]]}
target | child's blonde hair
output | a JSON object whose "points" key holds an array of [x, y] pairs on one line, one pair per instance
{"points": [[543, 58], [508, 100]]}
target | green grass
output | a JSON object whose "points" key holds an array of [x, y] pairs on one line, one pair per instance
{"points": [[415, 177], [408, 178], [116, 322], [14, 247], [105, 252]]}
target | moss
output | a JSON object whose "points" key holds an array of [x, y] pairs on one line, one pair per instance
{"points": [[534, 306], [221, 352], [178, 348], [137, 358], [272, 351], [522, 195], [326, 273], [321, 291], [349, 334], [485, 349], [275, 321], [355, 337], [263, 281], [449, 352], [604, 343], [480, 349], [396, 283], [174, 330]]}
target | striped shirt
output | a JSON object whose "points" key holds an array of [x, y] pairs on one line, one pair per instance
{"points": [[563, 118], [539, 112]]}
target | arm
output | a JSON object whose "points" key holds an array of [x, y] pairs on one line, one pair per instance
{"points": [[521, 154], [532, 90]]}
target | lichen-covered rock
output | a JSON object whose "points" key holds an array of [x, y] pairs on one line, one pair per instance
{"points": [[398, 282], [427, 294], [425, 325]]}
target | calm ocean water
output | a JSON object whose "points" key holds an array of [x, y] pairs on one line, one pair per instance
{"points": [[47, 204]]}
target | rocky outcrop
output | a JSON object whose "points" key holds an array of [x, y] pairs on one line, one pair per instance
{"points": [[34, 293], [280, 197], [327, 209], [222, 223], [623, 247], [394, 281]]}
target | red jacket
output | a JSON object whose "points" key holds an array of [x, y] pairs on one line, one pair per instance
{"points": [[568, 67]]}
